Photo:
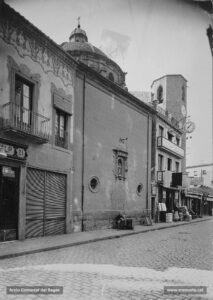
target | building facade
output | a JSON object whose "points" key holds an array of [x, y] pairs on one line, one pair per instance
{"points": [[170, 100], [112, 141], [75, 146], [200, 174], [36, 133]]}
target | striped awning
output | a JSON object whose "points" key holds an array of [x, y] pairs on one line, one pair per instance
{"points": [[194, 196], [209, 199], [198, 192]]}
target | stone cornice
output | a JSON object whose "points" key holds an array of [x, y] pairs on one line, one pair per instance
{"points": [[168, 75]]}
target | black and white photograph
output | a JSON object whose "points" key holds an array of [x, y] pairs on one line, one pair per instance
{"points": [[106, 149]]}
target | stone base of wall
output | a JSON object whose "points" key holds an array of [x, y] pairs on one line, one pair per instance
{"points": [[8, 235], [106, 220], [76, 221]]}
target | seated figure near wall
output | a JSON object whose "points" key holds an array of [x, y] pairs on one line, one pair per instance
{"points": [[122, 222]]}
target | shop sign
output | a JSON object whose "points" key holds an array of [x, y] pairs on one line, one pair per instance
{"points": [[160, 176], [14, 151], [8, 172], [154, 190]]}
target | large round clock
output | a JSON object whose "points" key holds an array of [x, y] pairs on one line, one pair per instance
{"points": [[189, 127]]}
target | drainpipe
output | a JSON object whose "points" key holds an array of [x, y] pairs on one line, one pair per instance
{"points": [[210, 37], [83, 148], [153, 158], [148, 164]]}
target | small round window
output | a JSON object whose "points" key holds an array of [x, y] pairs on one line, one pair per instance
{"points": [[94, 184], [139, 189]]}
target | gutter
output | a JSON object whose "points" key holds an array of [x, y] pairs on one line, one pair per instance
{"points": [[83, 149]]}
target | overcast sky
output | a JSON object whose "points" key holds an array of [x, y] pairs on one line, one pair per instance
{"points": [[157, 37]]}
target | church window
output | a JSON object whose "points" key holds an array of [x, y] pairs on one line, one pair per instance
{"points": [[94, 184], [120, 164], [183, 93], [139, 189], [160, 94]]}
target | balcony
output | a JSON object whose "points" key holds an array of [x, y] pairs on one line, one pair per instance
{"points": [[22, 122], [170, 147]]}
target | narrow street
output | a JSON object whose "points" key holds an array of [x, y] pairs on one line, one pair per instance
{"points": [[134, 267]]}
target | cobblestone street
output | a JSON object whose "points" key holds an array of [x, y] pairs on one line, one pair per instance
{"points": [[133, 267]]}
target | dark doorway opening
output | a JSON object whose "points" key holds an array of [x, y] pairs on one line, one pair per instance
{"points": [[9, 203], [153, 208]]}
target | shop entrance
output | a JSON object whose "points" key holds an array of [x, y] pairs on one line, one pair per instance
{"points": [[45, 203], [9, 200]]}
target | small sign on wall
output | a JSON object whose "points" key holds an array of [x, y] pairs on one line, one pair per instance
{"points": [[14, 151], [8, 172], [154, 190], [160, 176]]}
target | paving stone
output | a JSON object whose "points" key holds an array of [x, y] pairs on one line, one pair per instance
{"points": [[182, 248]]}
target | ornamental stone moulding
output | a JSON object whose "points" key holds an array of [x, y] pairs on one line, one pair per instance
{"points": [[29, 47], [23, 69], [61, 92]]}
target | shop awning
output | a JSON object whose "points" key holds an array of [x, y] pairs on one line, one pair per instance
{"points": [[209, 199], [198, 192], [194, 196]]}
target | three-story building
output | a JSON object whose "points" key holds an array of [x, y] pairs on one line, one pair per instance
{"points": [[170, 99], [36, 132]]}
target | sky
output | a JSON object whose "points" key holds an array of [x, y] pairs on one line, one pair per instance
{"points": [[152, 38]]}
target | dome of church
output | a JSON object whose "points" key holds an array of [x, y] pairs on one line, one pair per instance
{"points": [[78, 31], [79, 48]]}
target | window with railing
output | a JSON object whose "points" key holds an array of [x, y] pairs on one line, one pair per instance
{"points": [[61, 134], [23, 100]]}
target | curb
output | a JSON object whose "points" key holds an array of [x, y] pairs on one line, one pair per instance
{"points": [[27, 252]]}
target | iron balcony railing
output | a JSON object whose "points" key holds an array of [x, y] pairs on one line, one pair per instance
{"points": [[170, 146], [62, 141], [26, 121]]}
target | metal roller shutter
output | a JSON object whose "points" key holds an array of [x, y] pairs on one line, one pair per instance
{"points": [[45, 203], [35, 203], [55, 203]]}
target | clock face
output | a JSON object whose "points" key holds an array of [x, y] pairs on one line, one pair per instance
{"points": [[183, 110], [189, 127]]}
